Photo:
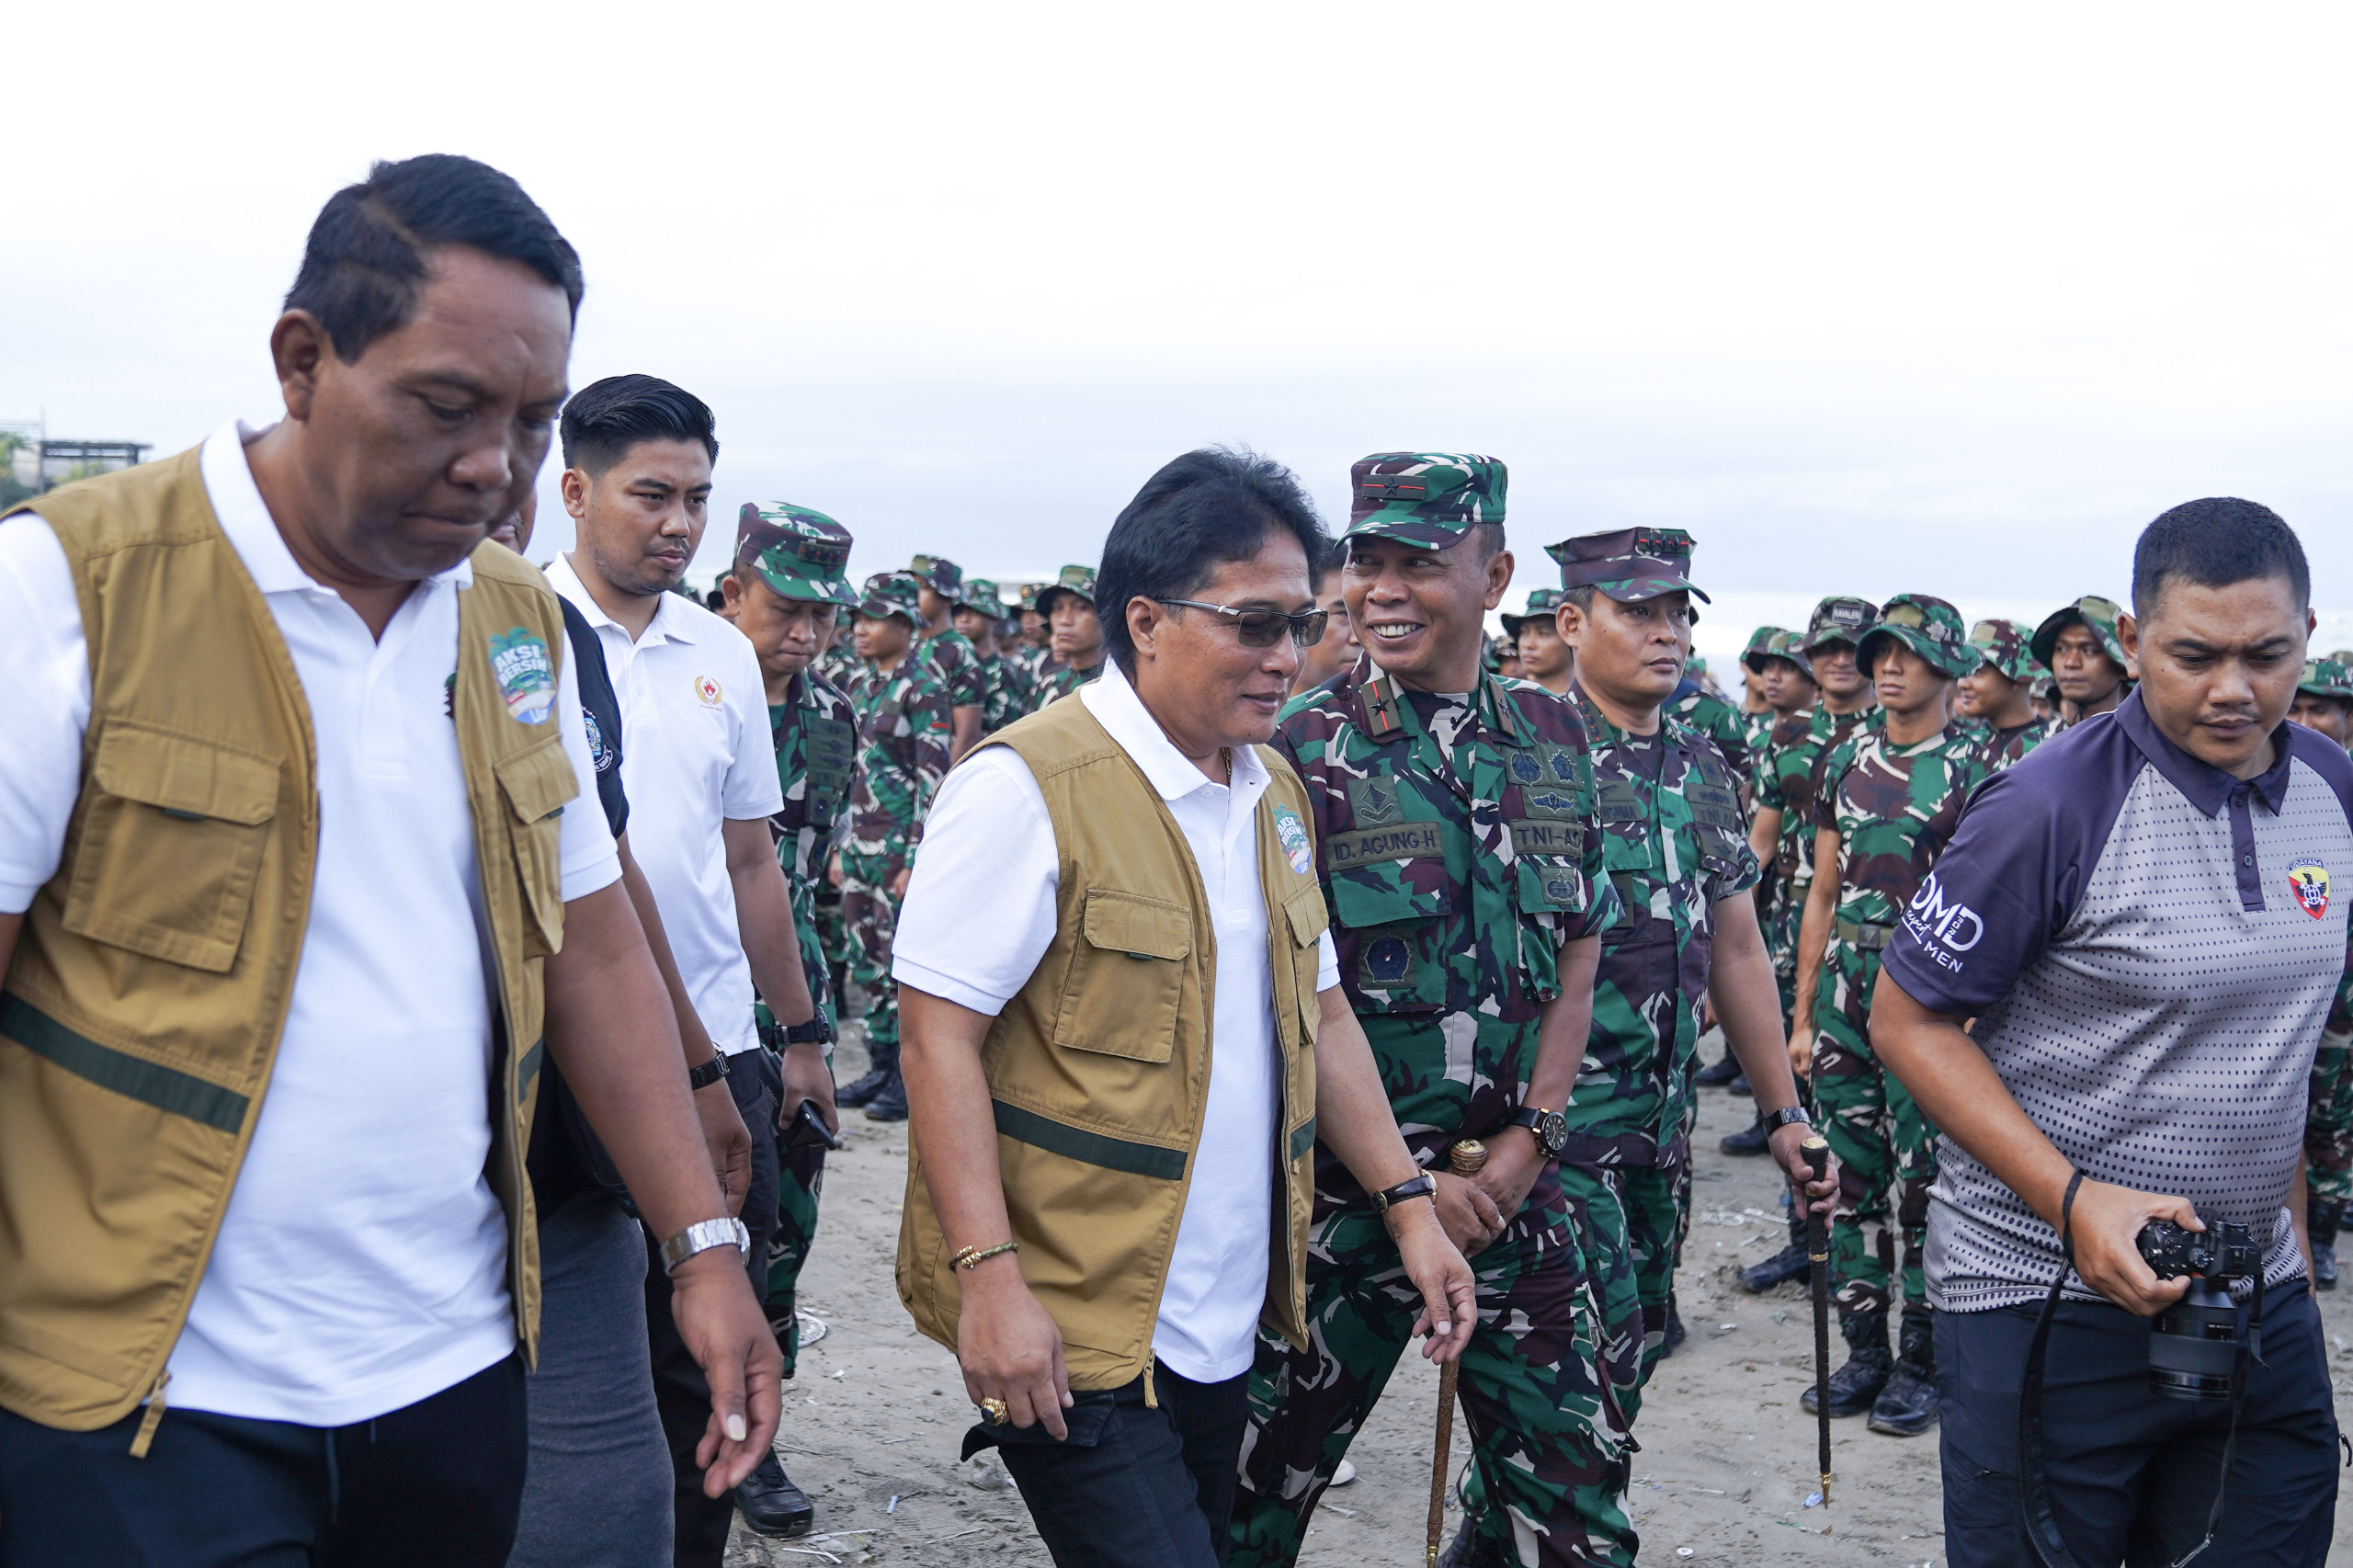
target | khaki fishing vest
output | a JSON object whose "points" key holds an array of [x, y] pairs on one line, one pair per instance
{"points": [[1098, 1070], [144, 1005]]}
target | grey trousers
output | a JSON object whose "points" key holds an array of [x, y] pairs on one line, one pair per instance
{"points": [[597, 1494]]}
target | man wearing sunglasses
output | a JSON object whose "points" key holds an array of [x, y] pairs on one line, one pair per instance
{"points": [[1460, 854], [1120, 1080]]}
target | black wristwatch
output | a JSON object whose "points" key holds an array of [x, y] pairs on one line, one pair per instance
{"points": [[817, 1030], [707, 1075], [1551, 1129], [1422, 1186], [1774, 1121]]}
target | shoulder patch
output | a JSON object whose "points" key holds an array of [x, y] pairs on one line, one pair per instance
{"points": [[1292, 833], [526, 676]]}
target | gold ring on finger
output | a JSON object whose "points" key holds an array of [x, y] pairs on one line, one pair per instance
{"points": [[997, 1411]]}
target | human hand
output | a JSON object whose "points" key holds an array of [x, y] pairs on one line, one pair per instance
{"points": [[1466, 1213], [1010, 1348], [728, 1140], [729, 1338], [1449, 1294], [834, 870], [1513, 1161], [1801, 1051], [1787, 1145], [2108, 1219], [898, 882], [806, 1077]]}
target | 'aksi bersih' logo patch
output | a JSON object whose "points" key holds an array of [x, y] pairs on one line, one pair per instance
{"points": [[519, 662], [2308, 879]]}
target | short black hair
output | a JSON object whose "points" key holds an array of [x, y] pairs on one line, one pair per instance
{"points": [[2214, 543], [1205, 508], [365, 258], [605, 419]]}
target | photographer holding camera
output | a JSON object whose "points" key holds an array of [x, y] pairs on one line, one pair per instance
{"points": [[2139, 919]]}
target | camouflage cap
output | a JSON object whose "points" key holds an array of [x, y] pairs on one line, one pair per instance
{"points": [[1029, 597], [1760, 648], [1426, 498], [800, 553], [2004, 646], [939, 573], [1837, 619], [1079, 580], [1629, 564], [893, 593], [979, 593], [2327, 677], [2101, 615], [1541, 603], [1791, 645], [1929, 626]]}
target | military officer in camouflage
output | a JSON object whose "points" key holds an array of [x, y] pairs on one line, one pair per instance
{"points": [[952, 657], [1458, 851], [1004, 683], [1996, 700], [2324, 702], [1543, 657], [1068, 605], [903, 737], [1889, 797], [2079, 646]]}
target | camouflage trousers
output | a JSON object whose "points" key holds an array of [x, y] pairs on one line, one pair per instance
{"points": [[801, 1179], [1657, 1209], [1540, 1383], [2328, 1121], [1780, 926], [1886, 1148], [871, 916]]}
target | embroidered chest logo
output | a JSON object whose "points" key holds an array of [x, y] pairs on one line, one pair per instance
{"points": [[1526, 769], [519, 663], [707, 691], [1374, 803], [600, 751], [2308, 879], [1292, 833]]}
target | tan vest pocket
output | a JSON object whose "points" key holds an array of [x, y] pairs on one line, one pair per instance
{"points": [[1310, 917], [1127, 975], [171, 841], [538, 784]]}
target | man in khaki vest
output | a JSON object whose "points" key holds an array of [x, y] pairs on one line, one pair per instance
{"points": [[296, 858], [1118, 1082]]}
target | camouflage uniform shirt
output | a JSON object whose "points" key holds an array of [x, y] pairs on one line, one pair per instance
{"points": [[2002, 748], [957, 664], [815, 732], [1702, 709], [903, 743], [1893, 808], [1010, 692]]}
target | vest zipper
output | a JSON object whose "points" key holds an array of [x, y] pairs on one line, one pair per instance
{"points": [[145, 1438]]}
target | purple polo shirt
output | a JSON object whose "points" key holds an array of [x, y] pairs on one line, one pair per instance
{"points": [[2149, 947]]}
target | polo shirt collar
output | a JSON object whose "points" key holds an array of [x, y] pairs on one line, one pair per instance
{"points": [[2205, 786], [670, 623], [253, 533], [1122, 714]]}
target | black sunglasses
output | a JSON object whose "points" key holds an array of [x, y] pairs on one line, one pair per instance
{"points": [[1265, 628]]}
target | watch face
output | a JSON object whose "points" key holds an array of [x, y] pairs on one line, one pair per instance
{"points": [[1553, 1132]]}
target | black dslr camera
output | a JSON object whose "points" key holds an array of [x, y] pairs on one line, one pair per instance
{"points": [[2197, 1342]]}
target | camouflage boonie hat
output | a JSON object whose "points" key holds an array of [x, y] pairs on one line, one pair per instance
{"points": [[1029, 597], [939, 573], [2101, 615], [1837, 619], [1629, 564], [1541, 603], [2327, 677], [800, 553], [1760, 648], [1079, 580], [1929, 626], [1426, 498], [2004, 646], [893, 593], [1790, 645], [979, 593]]}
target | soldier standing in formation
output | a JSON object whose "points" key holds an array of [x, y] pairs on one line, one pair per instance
{"points": [[1006, 690], [2079, 646], [1068, 605], [1543, 657], [1996, 698], [1036, 651], [903, 737], [1888, 798], [951, 655]]}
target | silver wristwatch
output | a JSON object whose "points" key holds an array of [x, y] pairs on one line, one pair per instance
{"points": [[703, 1236]]}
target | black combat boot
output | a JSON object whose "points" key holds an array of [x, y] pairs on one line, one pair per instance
{"points": [[770, 1503], [1739, 1085], [1907, 1406], [1470, 1549], [1674, 1334], [2324, 1218], [1855, 1385], [890, 1101], [1792, 1262], [883, 1061], [1717, 1075], [1751, 1140]]}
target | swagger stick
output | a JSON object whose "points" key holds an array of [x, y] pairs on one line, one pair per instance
{"points": [[1817, 1232], [1465, 1159]]}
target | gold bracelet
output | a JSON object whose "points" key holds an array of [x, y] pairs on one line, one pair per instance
{"points": [[972, 1258]]}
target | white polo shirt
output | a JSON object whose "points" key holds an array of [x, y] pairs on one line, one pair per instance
{"points": [[989, 845], [361, 1265], [696, 750]]}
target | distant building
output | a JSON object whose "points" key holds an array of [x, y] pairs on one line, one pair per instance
{"points": [[64, 461]]}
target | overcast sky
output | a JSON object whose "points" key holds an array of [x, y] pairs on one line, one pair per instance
{"points": [[1869, 299]]}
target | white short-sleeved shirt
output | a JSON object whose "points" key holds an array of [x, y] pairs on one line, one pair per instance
{"points": [[696, 750], [990, 845], [361, 1265]]}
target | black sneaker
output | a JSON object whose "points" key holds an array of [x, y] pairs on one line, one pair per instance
{"points": [[856, 1094], [2324, 1266], [1751, 1140], [771, 1505], [890, 1104], [1789, 1262], [1716, 1075]]}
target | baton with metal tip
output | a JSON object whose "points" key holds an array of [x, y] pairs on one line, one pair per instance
{"points": [[1439, 1461], [1817, 1151]]}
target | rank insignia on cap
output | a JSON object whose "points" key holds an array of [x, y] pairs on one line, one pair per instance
{"points": [[2308, 879]]}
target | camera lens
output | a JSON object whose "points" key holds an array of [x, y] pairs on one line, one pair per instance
{"points": [[2194, 1345]]}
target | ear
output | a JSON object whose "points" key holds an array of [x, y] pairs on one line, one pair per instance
{"points": [[1146, 619], [1499, 570], [575, 486], [730, 589], [298, 348], [2128, 634], [1569, 621]]}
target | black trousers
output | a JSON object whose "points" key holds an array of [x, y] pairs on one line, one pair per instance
{"points": [[1132, 1486], [680, 1391], [2132, 1474], [436, 1482]]}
